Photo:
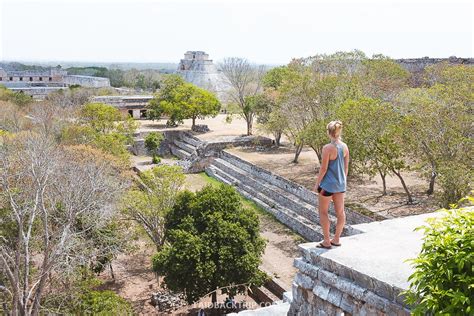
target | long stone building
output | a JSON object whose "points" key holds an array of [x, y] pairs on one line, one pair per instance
{"points": [[39, 83]]}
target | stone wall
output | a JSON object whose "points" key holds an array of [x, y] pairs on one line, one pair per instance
{"points": [[416, 66], [37, 92], [365, 276], [86, 81], [138, 146]]}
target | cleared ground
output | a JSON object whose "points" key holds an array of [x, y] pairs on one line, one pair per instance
{"points": [[135, 281]]}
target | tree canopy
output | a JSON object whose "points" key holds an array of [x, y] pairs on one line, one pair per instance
{"points": [[212, 241], [180, 100]]}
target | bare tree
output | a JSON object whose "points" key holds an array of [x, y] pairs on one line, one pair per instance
{"points": [[149, 205], [51, 198], [244, 81], [12, 117], [71, 98]]}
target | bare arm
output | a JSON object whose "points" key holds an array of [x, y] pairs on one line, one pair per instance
{"points": [[323, 169], [346, 161]]}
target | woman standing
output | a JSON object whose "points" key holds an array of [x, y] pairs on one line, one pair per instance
{"points": [[331, 183]]}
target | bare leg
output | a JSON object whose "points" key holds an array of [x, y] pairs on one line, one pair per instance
{"points": [[324, 217], [338, 199]]}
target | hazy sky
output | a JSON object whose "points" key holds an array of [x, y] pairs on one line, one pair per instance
{"points": [[262, 31]]}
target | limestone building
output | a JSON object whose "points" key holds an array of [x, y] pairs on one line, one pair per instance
{"points": [[12, 79], [39, 83], [198, 69]]}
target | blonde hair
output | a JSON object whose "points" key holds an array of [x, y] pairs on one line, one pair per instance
{"points": [[334, 129]]}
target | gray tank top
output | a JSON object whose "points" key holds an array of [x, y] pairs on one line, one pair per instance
{"points": [[334, 180]]}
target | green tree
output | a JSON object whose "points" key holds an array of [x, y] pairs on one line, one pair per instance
{"points": [[103, 127], [274, 77], [213, 241], [181, 100], [269, 115], [311, 91], [101, 117], [149, 204], [201, 104], [116, 77], [439, 119], [442, 281], [372, 132], [268, 104], [382, 78], [140, 82], [21, 99], [18, 98]]}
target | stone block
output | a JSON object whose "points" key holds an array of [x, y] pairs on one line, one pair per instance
{"points": [[397, 310], [347, 303], [383, 289], [334, 297], [378, 302], [363, 280], [327, 277], [297, 293], [304, 281], [321, 290], [306, 268]]}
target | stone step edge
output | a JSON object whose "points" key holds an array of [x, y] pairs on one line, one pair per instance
{"points": [[311, 256], [298, 189], [184, 146], [262, 294], [265, 182], [348, 230], [178, 152], [264, 198], [284, 183], [332, 287], [274, 211], [191, 139]]}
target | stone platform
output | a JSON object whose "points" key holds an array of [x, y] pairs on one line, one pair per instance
{"points": [[364, 276]]}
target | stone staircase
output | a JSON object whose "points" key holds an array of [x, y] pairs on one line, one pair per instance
{"points": [[184, 146], [289, 202]]}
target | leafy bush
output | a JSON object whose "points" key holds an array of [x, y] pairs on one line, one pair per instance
{"points": [[156, 159], [455, 182], [104, 303], [443, 281], [153, 141]]}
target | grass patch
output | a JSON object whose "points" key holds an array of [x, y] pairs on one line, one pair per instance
{"points": [[209, 180]]}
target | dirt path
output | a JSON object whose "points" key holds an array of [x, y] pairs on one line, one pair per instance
{"points": [[134, 279]]}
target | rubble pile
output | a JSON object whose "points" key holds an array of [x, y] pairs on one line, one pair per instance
{"points": [[165, 301]]}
